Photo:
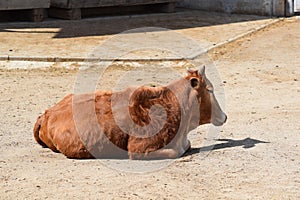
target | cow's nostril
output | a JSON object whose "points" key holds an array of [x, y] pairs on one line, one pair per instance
{"points": [[225, 118]]}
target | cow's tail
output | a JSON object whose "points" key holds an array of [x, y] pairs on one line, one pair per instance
{"points": [[36, 130]]}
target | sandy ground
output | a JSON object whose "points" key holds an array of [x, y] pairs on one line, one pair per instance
{"points": [[258, 157]]}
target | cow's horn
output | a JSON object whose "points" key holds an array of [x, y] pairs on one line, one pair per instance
{"points": [[188, 69], [201, 70]]}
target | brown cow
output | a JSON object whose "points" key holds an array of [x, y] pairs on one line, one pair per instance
{"points": [[139, 123]]}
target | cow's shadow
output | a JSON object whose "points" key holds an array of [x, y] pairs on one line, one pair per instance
{"points": [[228, 143]]}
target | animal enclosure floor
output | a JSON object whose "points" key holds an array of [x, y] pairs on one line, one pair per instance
{"points": [[73, 40], [257, 156]]}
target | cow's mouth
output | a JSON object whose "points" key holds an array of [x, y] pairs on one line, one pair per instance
{"points": [[219, 120]]}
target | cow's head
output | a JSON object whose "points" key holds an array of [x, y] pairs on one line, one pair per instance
{"points": [[210, 110]]}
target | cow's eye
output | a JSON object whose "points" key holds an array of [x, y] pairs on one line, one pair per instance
{"points": [[210, 89]]}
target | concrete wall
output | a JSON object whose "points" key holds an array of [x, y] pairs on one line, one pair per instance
{"points": [[23, 4], [256, 7], [297, 6]]}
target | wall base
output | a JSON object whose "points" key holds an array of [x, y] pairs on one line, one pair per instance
{"points": [[277, 8]]}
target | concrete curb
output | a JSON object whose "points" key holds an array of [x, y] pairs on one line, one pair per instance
{"points": [[245, 34]]}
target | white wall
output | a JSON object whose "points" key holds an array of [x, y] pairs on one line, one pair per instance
{"points": [[297, 6], [257, 7]]}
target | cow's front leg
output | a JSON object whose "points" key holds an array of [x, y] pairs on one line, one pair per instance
{"points": [[158, 154], [165, 153]]}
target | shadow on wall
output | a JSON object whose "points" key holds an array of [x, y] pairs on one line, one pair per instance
{"points": [[228, 143], [181, 19]]}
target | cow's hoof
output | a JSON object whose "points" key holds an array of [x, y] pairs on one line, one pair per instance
{"points": [[188, 146]]}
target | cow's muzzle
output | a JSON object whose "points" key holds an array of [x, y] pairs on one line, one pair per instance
{"points": [[220, 119]]}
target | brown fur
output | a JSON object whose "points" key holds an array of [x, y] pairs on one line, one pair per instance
{"points": [[90, 125]]}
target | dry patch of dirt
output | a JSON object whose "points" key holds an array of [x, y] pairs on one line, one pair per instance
{"points": [[258, 156]]}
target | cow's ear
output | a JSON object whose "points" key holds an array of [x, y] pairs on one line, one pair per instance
{"points": [[201, 70], [195, 82]]}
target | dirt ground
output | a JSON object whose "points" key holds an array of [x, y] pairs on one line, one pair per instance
{"points": [[257, 158]]}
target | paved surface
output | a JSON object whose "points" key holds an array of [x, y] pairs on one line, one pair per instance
{"points": [[257, 156], [73, 41]]}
